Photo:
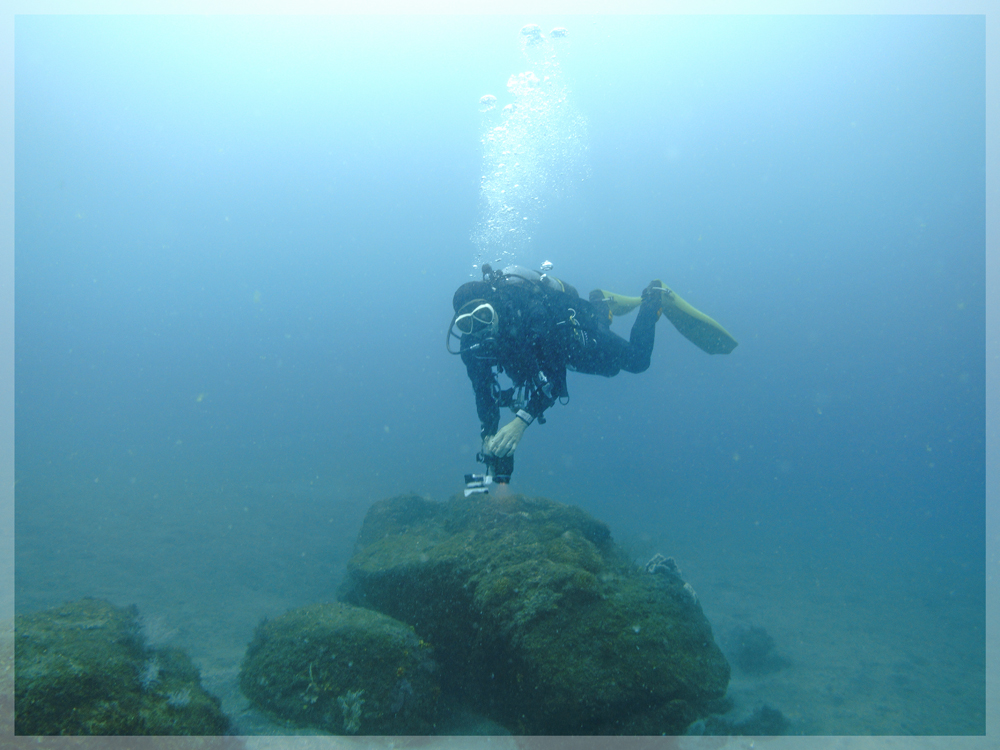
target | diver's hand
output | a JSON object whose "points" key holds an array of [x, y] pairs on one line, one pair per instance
{"points": [[486, 445], [507, 438]]}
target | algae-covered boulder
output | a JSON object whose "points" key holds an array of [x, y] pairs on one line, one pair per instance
{"points": [[537, 615], [342, 669], [84, 669]]}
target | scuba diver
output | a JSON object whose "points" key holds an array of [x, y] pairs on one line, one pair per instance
{"points": [[533, 327]]}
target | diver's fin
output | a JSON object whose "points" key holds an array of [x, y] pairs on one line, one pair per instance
{"points": [[619, 304], [693, 324]]}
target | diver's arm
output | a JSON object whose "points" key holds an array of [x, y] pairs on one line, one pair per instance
{"points": [[548, 382], [542, 390], [507, 437], [481, 374]]}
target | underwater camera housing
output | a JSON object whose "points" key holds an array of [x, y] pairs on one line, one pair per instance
{"points": [[498, 471]]}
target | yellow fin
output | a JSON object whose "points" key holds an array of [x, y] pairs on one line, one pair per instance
{"points": [[618, 303], [692, 323]]}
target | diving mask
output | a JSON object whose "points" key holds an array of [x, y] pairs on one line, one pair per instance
{"points": [[481, 319], [475, 318]]}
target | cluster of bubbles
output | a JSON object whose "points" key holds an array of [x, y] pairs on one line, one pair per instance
{"points": [[534, 148]]}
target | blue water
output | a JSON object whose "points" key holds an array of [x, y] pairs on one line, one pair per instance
{"points": [[236, 245]]}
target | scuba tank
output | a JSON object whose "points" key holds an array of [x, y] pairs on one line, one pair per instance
{"points": [[521, 276]]}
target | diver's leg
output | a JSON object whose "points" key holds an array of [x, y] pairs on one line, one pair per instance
{"points": [[607, 353], [603, 354], [636, 357]]}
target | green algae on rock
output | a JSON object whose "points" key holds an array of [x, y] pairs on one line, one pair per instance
{"points": [[342, 669], [83, 669], [537, 615]]}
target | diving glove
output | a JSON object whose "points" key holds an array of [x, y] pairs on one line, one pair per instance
{"points": [[507, 438]]}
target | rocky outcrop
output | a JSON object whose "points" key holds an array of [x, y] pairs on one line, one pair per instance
{"points": [[537, 617], [84, 669], [344, 670]]}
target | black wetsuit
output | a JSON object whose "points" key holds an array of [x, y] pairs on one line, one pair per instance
{"points": [[542, 333]]}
